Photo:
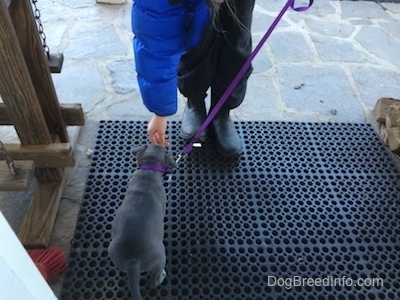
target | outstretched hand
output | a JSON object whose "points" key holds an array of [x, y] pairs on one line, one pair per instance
{"points": [[156, 130]]}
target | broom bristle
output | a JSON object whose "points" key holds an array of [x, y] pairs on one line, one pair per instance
{"points": [[50, 262]]}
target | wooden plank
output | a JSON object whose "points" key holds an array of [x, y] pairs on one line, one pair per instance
{"points": [[4, 117], [72, 114], [382, 108], [7, 2], [394, 113], [55, 62], [16, 87], [42, 211], [45, 156], [393, 136], [18, 182], [38, 66], [49, 174]]}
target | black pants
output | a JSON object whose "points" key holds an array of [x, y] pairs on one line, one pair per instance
{"points": [[219, 57]]}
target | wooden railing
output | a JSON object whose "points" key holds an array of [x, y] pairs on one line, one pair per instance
{"points": [[31, 105]]}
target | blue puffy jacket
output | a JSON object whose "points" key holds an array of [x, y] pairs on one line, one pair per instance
{"points": [[162, 33]]}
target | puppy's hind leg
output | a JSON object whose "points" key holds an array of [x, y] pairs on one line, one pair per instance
{"points": [[133, 271], [159, 278], [158, 273]]}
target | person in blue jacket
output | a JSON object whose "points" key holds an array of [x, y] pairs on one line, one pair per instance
{"points": [[193, 45]]}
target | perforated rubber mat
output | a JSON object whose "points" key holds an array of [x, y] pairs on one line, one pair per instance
{"points": [[309, 211]]}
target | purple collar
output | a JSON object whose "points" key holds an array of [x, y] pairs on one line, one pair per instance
{"points": [[154, 167]]}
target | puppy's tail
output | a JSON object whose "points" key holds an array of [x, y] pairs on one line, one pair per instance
{"points": [[133, 270]]}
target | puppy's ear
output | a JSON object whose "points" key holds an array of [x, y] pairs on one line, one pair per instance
{"points": [[170, 161], [139, 150]]}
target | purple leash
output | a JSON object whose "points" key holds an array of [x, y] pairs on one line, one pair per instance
{"points": [[239, 75]]}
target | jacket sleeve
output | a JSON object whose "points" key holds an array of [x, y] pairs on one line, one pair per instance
{"points": [[161, 35], [158, 45]]}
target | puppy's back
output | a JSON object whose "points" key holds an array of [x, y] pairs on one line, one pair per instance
{"points": [[138, 226]]}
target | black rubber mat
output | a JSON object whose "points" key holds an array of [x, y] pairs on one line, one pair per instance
{"points": [[309, 211]]}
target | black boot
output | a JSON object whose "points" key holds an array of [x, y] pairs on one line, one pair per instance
{"points": [[227, 139], [193, 117]]}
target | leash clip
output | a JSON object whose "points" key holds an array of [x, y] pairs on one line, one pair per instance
{"points": [[180, 156]]}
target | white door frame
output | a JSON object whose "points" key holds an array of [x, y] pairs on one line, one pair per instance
{"points": [[19, 277]]}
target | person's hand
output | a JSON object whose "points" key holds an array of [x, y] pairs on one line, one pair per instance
{"points": [[156, 130]]}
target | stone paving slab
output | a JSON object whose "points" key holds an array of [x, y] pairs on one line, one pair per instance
{"points": [[383, 45], [363, 10], [374, 83]]}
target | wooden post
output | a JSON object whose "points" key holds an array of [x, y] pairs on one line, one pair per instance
{"points": [[16, 87], [32, 107], [37, 63]]}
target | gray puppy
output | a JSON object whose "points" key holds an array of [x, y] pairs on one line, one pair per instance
{"points": [[138, 227]]}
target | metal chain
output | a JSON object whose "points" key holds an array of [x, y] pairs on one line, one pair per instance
{"points": [[9, 161], [39, 24]]}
